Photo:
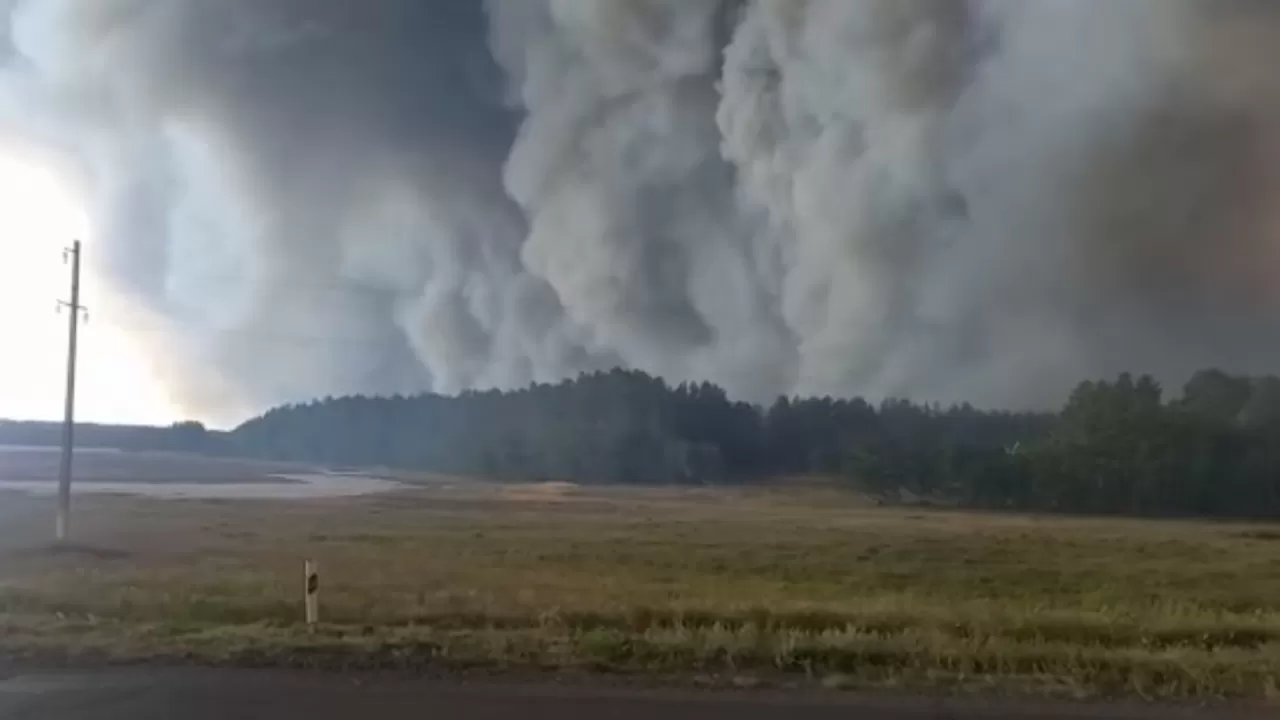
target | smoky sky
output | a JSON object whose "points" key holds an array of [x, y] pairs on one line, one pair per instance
{"points": [[981, 200]]}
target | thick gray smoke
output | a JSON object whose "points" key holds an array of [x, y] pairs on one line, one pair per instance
{"points": [[983, 200]]}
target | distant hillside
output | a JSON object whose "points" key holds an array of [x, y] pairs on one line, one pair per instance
{"points": [[180, 437]]}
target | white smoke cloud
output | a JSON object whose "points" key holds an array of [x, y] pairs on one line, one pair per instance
{"points": [[955, 199], [833, 113], [630, 206]]}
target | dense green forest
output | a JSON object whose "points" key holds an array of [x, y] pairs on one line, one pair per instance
{"points": [[1117, 446]]}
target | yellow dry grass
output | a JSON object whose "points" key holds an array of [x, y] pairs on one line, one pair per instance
{"points": [[660, 581]]}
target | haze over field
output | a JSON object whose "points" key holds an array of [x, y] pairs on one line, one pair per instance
{"points": [[982, 200]]}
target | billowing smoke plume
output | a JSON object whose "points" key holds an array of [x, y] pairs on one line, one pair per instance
{"points": [[953, 199]]}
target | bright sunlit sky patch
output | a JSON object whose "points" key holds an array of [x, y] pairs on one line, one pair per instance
{"points": [[38, 218]]}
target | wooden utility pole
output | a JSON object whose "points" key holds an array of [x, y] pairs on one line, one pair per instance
{"points": [[74, 310]]}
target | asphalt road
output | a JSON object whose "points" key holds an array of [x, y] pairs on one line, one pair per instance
{"points": [[243, 695]]}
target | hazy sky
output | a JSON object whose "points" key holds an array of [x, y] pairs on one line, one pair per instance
{"points": [[37, 219]]}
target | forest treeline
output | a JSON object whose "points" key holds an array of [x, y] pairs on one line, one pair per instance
{"points": [[1117, 446], [1120, 446]]}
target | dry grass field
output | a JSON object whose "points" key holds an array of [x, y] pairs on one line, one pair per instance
{"points": [[749, 586]]}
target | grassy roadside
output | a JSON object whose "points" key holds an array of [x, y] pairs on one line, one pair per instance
{"points": [[746, 586]]}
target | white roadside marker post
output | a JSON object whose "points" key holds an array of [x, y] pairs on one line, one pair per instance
{"points": [[312, 594]]}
